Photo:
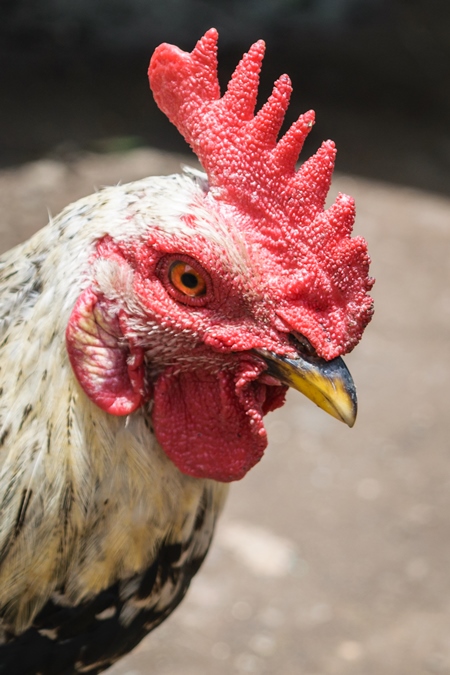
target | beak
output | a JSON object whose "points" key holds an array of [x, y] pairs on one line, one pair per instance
{"points": [[327, 383]]}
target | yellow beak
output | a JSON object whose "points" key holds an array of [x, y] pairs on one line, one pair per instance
{"points": [[327, 383]]}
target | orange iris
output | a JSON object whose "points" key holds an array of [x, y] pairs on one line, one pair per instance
{"points": [[186, 279]]}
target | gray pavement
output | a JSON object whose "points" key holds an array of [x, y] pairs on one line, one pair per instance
{"points": [[333, 554]]}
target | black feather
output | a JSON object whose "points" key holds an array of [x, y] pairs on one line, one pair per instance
{"points": [[90, 637]]}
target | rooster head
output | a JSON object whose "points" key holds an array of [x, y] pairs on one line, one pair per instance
{"points": [[221, 290]]}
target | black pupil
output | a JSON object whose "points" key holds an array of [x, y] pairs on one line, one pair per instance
{"points": [[189, 280]]}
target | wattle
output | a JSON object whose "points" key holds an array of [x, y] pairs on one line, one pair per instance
{"points": [[211, 424]]}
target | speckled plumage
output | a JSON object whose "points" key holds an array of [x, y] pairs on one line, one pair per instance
{"points": [[88, 499]]}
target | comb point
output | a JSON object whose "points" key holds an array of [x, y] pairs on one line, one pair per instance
{"points": [[290, 145], [242, 91], [267, 123]]}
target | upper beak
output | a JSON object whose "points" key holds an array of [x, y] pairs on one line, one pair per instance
{"points": [[327, 383]]}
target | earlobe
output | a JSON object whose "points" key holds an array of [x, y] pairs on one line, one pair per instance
{"points": [[109, 369]]}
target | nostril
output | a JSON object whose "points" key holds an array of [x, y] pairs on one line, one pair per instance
{"points": [[302, 344]]}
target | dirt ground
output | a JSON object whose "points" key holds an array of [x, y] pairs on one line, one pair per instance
{"points": [[333, 554]]}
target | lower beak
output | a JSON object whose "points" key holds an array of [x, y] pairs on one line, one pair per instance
{"points": [[327, 383]]}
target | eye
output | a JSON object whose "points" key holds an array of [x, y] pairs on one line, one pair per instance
{"points": [[186, 279]]}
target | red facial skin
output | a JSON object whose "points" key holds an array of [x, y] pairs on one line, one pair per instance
{"points": [[208, 409]]}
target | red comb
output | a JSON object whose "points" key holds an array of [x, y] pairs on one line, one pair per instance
{"points": [[250, 170], [238, 150]]}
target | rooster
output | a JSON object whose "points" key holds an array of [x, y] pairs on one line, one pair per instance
{"points": [[145, 333]]}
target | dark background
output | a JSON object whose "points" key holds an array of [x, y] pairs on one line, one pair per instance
{"points": [[377, 72]]}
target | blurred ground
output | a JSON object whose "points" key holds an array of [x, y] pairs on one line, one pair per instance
{"points": [[333, 555]]}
